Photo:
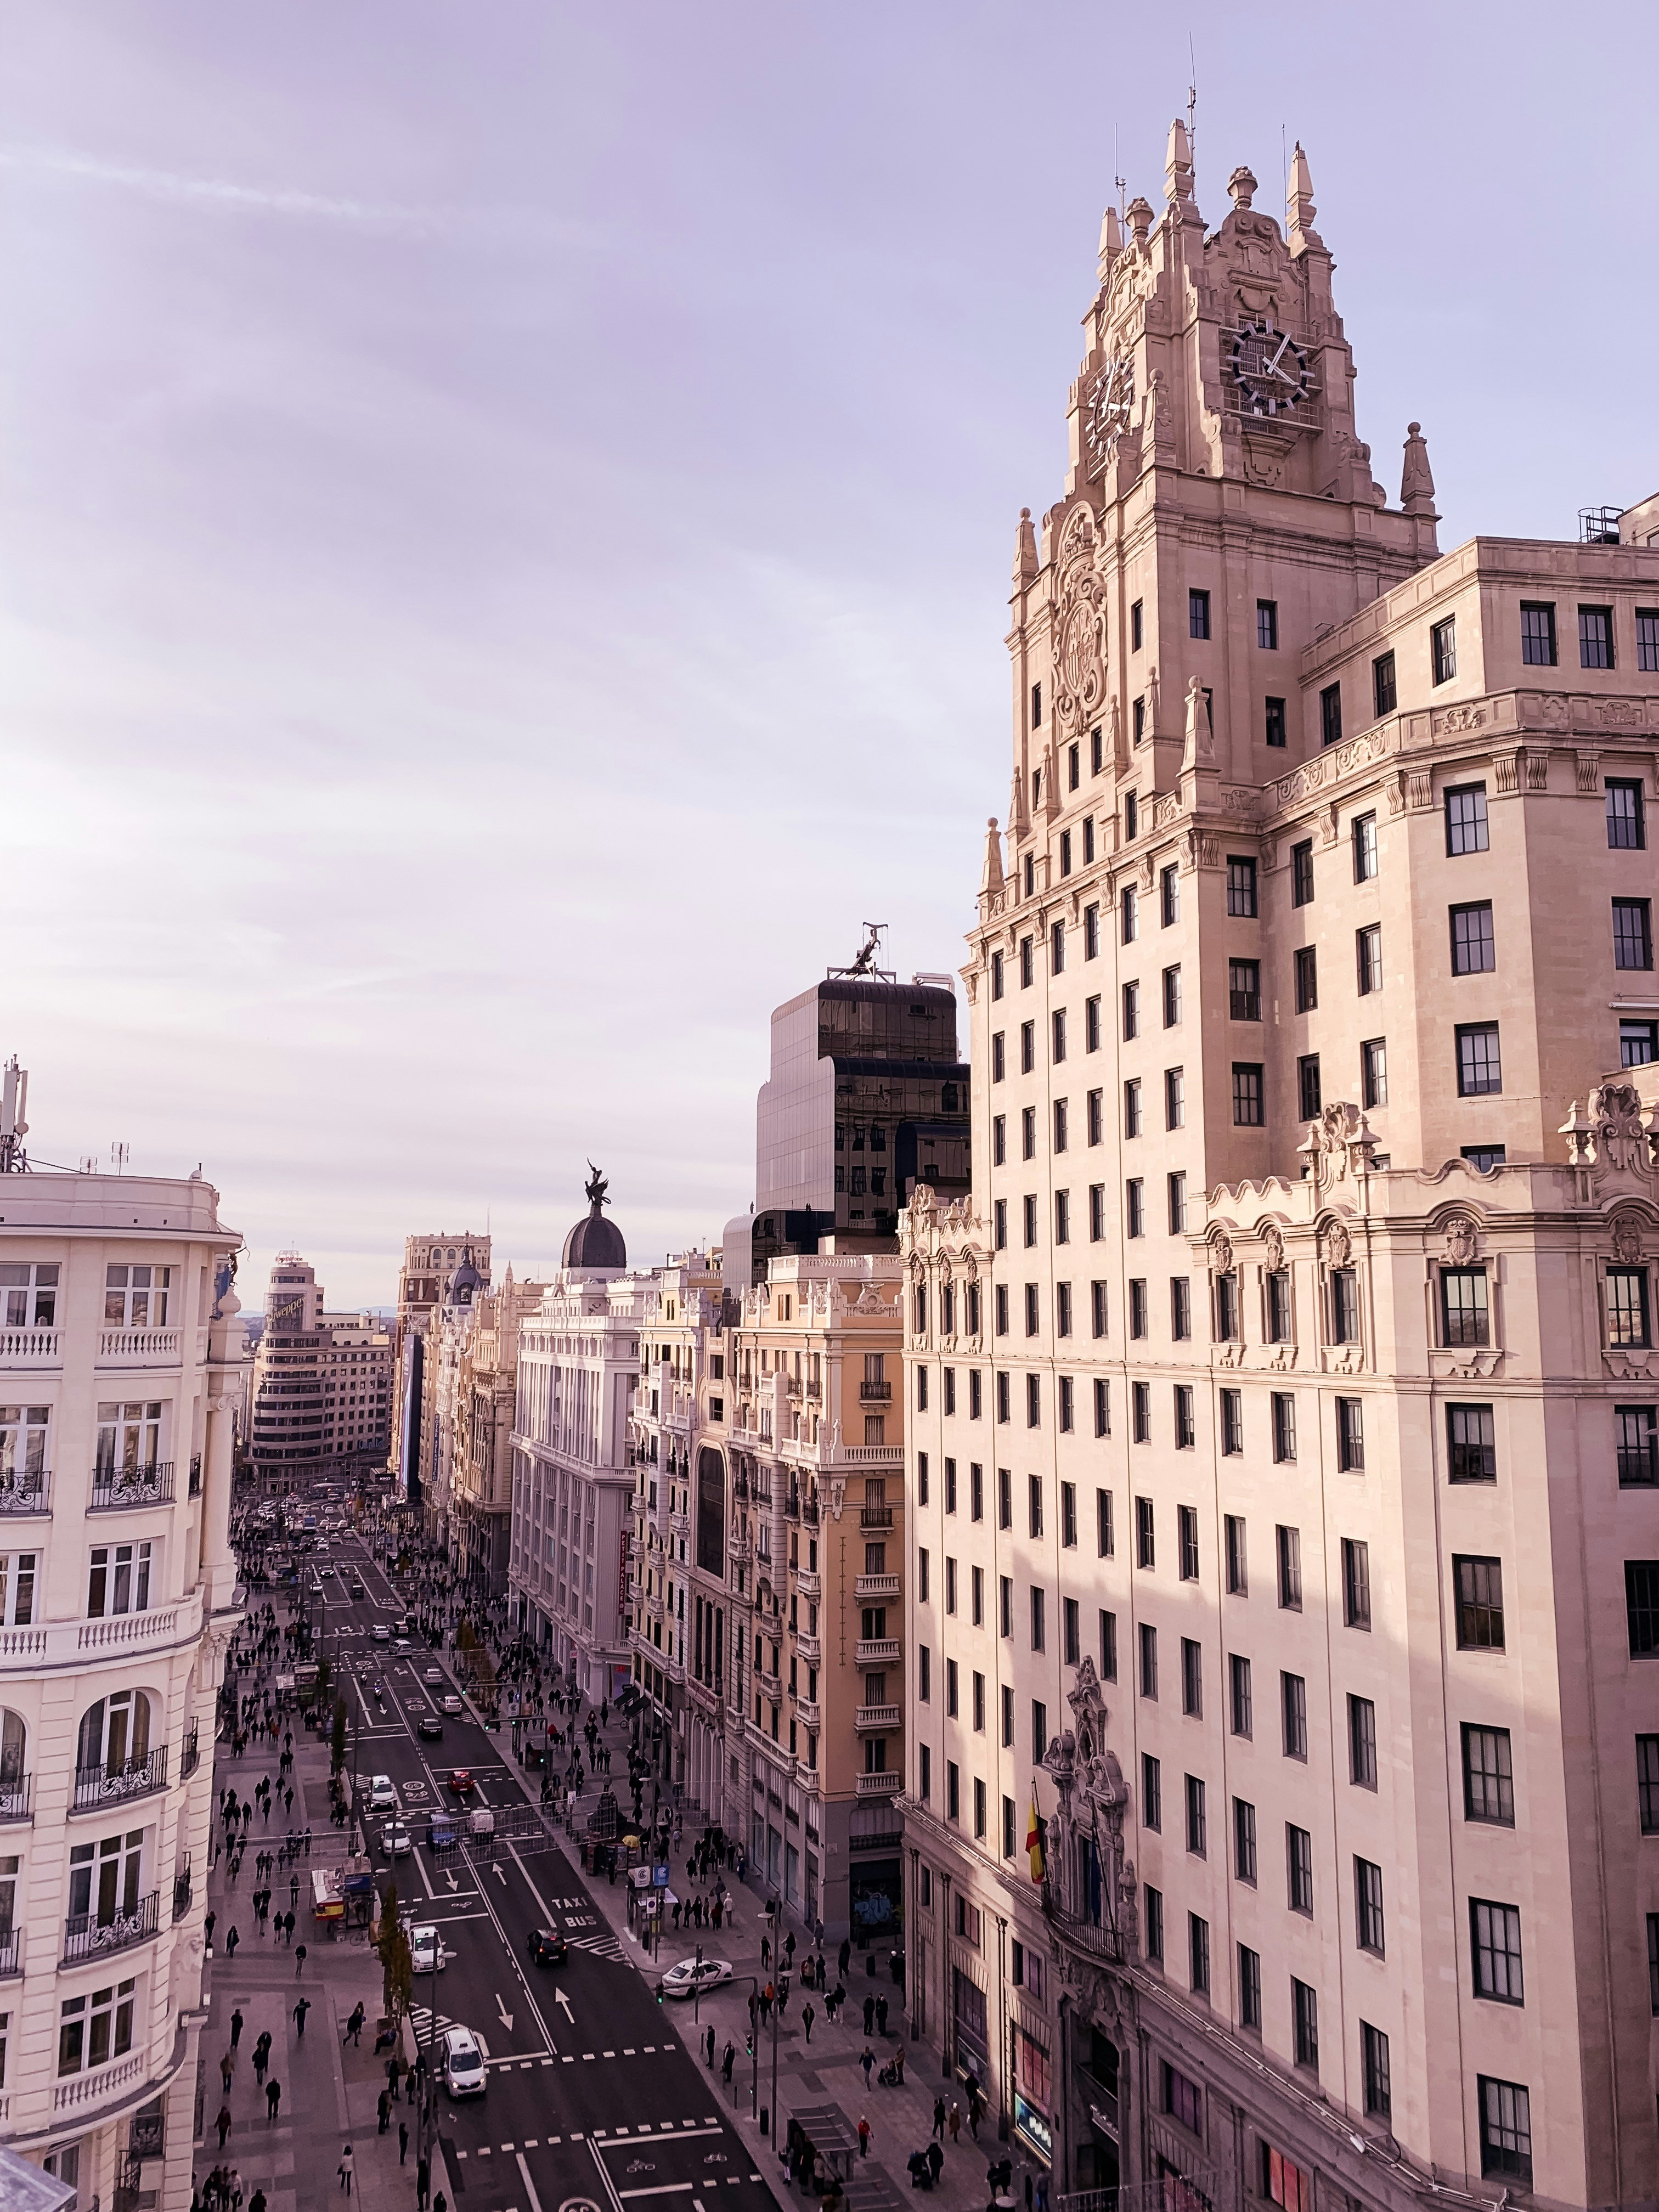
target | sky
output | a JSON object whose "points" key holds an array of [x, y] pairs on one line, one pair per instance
{"points": [[505, 513]]}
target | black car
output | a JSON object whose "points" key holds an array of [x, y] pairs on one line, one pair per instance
{"points": [[548, 1947], [429, 1726]]}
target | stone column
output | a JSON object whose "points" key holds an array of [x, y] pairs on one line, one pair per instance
{"points": [[217, 1559]]}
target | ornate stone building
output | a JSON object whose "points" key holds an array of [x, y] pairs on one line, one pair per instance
{"points": [[321, 1388], [1282, 1403]]}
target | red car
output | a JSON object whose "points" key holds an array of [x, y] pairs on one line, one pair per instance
{"points": [[461, 1782]]}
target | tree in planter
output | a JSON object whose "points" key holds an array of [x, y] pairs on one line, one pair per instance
{"points": [[325, 1681], [336, 1749], [397, 1964]]}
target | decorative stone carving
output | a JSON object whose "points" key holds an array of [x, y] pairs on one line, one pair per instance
{"points": [[1627, 1239], [1616, 1113], [1459, 1241], [1338, 1246], [1221, 1252], [1273, 1249]]}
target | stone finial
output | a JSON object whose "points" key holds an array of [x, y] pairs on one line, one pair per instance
{"points": [[1111, 243], [992, 878], [1025, 551], [1141, 219], [1416, 482], [1178, 166], [1199, 742], [1299, 209], [1241, 189]]}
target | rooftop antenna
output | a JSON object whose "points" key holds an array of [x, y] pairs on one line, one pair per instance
{"points": [[14, 1105], [1192, 110], [119, 1155], [1284, 165], [1121, 181]]}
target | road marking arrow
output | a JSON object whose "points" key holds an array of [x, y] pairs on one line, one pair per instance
{"points": [[450, 1879], [500, 1877], [560, 1998], [506, 2017]]}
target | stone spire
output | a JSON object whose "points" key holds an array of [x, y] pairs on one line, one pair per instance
{"points": [[991, 880], [1416, 482], [1178, 174], [1111, 243], [1025, 551], [1299, 209]]}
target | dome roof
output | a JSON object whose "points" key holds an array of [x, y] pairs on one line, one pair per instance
{"points": [[465, 1284], [595, 1242]]}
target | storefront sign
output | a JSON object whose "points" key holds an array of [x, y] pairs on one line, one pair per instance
{"points": [[1033, 2125]]}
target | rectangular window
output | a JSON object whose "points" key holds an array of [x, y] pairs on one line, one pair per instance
{"points": [[1480, 1066], [998, 1065], [1247, 1112], [1134, 1207], [1293, 1694], [1171, 997], [1302, 873], [1131, 1011], [1250, 1989], [1140, 1400], [1244, 1840], [1537, 634], [1181, 1308], [1479, 1584], [1198, 614], [1129, 914], [1275, 726], [1137, 627], [1365, 847], [1642, 1606], [1356, 1582], [1637, 1445], [1595, 637], [1057, 1025], [1368, 959], [1183, 2100], [1240, 887], [1362, 1742], [1151, 1794], [1027, 1047], [1096, 1117], [1107, 1647], [1304, 2019], [1241, 1710], [1175, 1197], [1465, 819], [1227, 1328], [1330, 715], [1284, 1415], [1145, 1534], [1495, 1950], [1197, 1831], [1298, 1851], [1132, 1108], [1385, 691], [1289, 1550], [1465, 1317], [1038, 1620], [1004, 1498], [1072, 1632], [1627, 1308], [1505, 2130], [1310, 1095], [1244, 990], [1489, 1778], [1090, 924], [1091, 1031], [1006, 1605], [1280, 1307], [1175, 1098], [1057, 946], [1374, 2060], [1096, 1298], [1345, 1305], [1169, 887], [1238, 1573], [1627, 826], [1187, 1541], [1350, 1436], [1148, 1661], [1474, 951], [1105, 1540], [1368, 1905], [1197, 1932], [1154, 1903], [1192, 1678], [1647, 639], [1632, 932], [1267, 625], [1442, 649], [1483, 1158]]}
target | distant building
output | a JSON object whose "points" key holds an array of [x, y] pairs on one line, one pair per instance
{"points": [[322, 1388], [428, 1262]]}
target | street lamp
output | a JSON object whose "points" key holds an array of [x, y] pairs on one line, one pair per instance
{"points": [[780, 1998]]}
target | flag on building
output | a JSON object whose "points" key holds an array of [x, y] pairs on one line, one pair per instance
{"points": [[1034, 1841]]}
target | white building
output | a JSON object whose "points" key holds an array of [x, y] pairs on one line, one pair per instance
{"points": [[322, 1386], [120, 1367]]}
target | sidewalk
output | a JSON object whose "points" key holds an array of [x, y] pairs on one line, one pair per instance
{"points": [[329, 2094], [820, 2082]]}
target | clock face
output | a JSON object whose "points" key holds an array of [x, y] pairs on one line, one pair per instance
{"points": [[1269, 368], [1110, 404]]}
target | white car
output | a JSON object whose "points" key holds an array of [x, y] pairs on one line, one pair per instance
{"points": [[428, 1953], [382, 1797], [687, 1977], [450, 1704], [462, 2064], [381, 1633], [434, 1674], [394, 1840]]}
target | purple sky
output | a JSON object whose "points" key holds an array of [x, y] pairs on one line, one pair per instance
{"points": [[507, 512]]}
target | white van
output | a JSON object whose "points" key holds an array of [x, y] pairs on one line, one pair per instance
{"points": [[481, 1822]]}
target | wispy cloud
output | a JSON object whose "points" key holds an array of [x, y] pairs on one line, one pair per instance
{"points": [[222, 193]]}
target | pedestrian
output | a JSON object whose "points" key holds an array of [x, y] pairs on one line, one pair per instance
{"points": [[422, 2182], [384, 2113], [440, 2202], [232, 1941], [223, 2123], [807, 2017], [208, 1927], [935, 2162], [869, 2014], [938, 2117], [766, 1952], [235, 2027], [300, 2012], [956, 2119], [881, 2015], [274, 2095], [256, 2202], [866, 2059], [726, 2058], [864, 2137], [298, 1960], [846, 1956], [354, 2026], [394, 2068], [261, 2060], [348, 2168], [709, 2040], [403, 2141]]}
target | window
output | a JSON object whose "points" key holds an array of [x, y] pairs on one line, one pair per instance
{"points": [[1537, 634], [1309, 1095], [1137, 1306], [1131, 1011], [1483, 1158], [1362, 1742], [977, 1587], [1227, 1330], [1198, 1935], [1293, 1692], [1132, 1108], [1250, 1989], [1365, 847], [1129, 914], [1638, 1445], [996, 975], [1192, 1678], [1632, 933], [1062, 1290], [1240, 1708], [1006, 1605], [1238, 1575], [1284, 1414], [1134, 1207], [1385, 692], [1107, 1647], [998, 1068], [1175, 1193], [1465, 819], [998, 1140], [1067, 1512], [1039, 1625], [118, 1579], [1095, 1114], [1330, 715], [1275, 727], [1307, 979], [950, 1585], [92, 2030], [1479, 1068], [1145, 1536], [1169, 896], [1057, 1023], [1244, 990], [1034, 1505], [1140, 1402], [1027, 1047], [1097, 1306], [1196, 1829], [1627, 1308], [1638, 1042], [1131, 806], [1072, 1632], [1148, 1661], [1356, 1582], [1105, 1537], [1066, 835], [1642, 1606], [28, 1294], [1489, 1778], [1345, 1305], [1187, 1541], [1091, 931], [1298, 1852], [1171, 997], [1240, 887], [1647, 639], [1505, 2128], [1036, 706], [1304, 2011], [1151, 1793], [1495, 1949], [1247, 1094], [1267, 625], [1350, 1436], [952, 1798], [1280, 1309], [1473, 951], [1368, 959], [1442, 649], [1368, 1905], [1244, 1840], [1374, 2063], [1627, 826], [1198, 614], [1595, 637], [1183, 2100], [137, 1296], [1302, 873], [951, 1676], [1091, 1027], [1465, 1317], [1479, 1586], [1137, 627], [1289, 1549], [1175, 1098]]}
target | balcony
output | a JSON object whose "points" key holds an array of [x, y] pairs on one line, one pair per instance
{"points": [[809, 1582], [809, 1713], [879, 1785], [875, 1393], [875, 1586], [182, 1889], [108, 2082], [191, 1757], [679, 1524], [877, 1716], [876, 1652], [87, 1936], [875, 1517], [30, 1347], [114, 1488], [814, 1393], [138, 1347], [14, 1796], [11, 1951], [738, 1545], [1095, 1939], [97, 1788], [809, 1513], [1099, 2099], [26, 1493], [810, 1649]]}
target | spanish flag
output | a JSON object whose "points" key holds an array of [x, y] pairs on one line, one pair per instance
{"points": [[1034, 1841]]}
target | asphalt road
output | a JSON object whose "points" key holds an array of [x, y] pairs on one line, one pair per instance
{"points": [[591, 2101]]}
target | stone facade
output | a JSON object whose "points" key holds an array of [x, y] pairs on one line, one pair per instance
{"points": [[1288, 1375], [321, 1388]]}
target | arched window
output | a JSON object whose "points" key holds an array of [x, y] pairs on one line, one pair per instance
{"points": [[114, 1744], [14, 1747]]}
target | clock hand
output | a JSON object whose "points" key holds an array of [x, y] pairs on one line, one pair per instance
{"points": [[1272, 366]]}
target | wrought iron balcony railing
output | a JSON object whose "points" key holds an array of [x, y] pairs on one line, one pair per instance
{"points": [[116, 1781], [15, 1796], [86, 1936], [116, 1487], [192, 1756], [26, 1492]]}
